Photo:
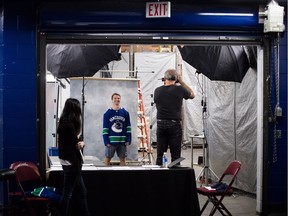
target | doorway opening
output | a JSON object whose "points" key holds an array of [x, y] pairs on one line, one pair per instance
{"points": [[147, 61]]}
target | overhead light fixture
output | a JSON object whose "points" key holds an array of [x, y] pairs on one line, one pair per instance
{"points": [[226, 14]]}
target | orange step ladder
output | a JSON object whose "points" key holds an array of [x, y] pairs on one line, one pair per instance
{"points": [[144, 144]]}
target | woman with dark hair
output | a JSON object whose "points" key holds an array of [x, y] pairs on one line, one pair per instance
{"points": [[70, 155]]}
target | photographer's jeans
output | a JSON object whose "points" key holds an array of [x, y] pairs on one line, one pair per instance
{"points": [[169, 134]]}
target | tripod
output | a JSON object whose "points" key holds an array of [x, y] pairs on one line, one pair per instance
{"points": [[83, 105], [206, 168]]}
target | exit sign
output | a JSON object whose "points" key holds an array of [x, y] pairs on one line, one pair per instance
{"points": [[158, 9]]}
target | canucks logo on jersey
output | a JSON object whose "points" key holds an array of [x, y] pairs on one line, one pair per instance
{"points": [[117, 127]]}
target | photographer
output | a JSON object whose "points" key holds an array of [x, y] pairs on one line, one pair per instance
{"points": [[169, 99]]}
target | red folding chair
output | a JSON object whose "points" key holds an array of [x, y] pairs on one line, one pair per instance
{"points": [[28, 177], [212, 194]]}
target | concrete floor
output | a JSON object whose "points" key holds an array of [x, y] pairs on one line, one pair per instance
{"points": [[241, 204]]}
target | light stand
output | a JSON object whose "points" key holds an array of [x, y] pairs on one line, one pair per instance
{"points": [[83, 105], [206, 168]]}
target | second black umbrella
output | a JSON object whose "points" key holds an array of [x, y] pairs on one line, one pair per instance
{"points": [[223, 63]]}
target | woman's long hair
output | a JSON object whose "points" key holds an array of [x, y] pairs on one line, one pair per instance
{"points": [[72, 113]]}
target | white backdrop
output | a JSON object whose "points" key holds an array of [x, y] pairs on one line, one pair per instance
{"points": [[98, 100]]}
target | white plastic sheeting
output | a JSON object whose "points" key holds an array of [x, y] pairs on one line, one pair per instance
{"points": [[231, 127], [230, 120]]}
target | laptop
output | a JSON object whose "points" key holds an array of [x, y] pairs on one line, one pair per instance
{"points": [[175, 163]]}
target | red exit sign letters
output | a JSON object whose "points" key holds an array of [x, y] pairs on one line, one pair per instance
{"points": [[158, 9]]}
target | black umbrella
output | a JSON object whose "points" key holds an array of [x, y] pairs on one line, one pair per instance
{"points": [[225, 63], [74, 60]]}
